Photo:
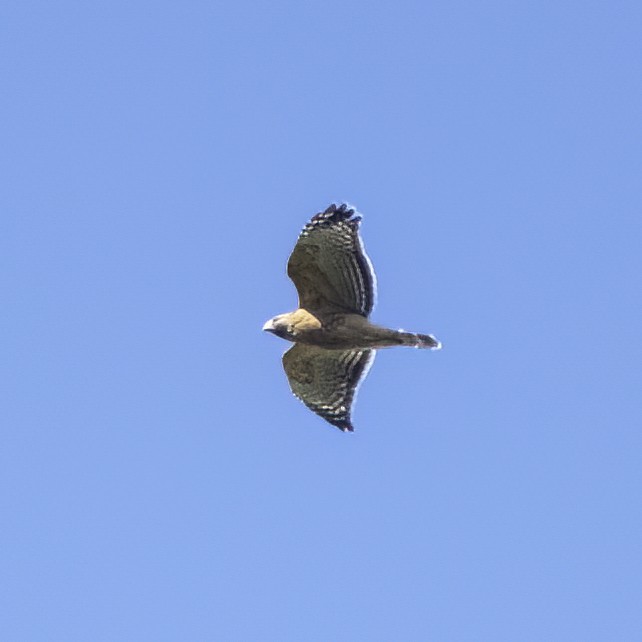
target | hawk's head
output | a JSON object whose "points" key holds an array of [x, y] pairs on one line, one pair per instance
{"points": [[281, 325]]}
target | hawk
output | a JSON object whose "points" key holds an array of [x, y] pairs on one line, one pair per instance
{"points": [[334, 342]]}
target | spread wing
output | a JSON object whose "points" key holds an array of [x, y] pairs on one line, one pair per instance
{"points": [[329, 266], [326, 381]]}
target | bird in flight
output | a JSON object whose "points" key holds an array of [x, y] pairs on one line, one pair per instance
{"points": [[334, 342]]}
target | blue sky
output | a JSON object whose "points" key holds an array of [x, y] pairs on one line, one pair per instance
{"points": [[157, 479]]}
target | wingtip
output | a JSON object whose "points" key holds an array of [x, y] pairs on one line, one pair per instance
{"points": [[336, 212], [345, 426]]}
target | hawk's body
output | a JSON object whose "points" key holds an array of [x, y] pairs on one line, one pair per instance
{"points": [[339, 331], [334, 339]]}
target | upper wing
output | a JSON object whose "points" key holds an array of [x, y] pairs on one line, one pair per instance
{"points": [[329, 266], [326, 381]]}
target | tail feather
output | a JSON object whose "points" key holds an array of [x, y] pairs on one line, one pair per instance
{"points": [[416, 340]]}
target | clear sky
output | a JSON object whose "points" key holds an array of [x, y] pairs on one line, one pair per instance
{"points": [[157, 479]]}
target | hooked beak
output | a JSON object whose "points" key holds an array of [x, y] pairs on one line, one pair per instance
{"points": [[269, 326]]}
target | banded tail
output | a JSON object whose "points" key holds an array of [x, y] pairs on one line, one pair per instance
{"points": [[416, 340]]}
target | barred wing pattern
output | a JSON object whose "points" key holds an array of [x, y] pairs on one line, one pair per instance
{"points": [[326, 381], [329, 266]]}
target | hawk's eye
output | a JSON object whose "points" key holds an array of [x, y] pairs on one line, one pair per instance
{"points": [[290, 329]]}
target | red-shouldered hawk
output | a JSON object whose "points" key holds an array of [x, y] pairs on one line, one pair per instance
{"points": [[334, 341]]}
